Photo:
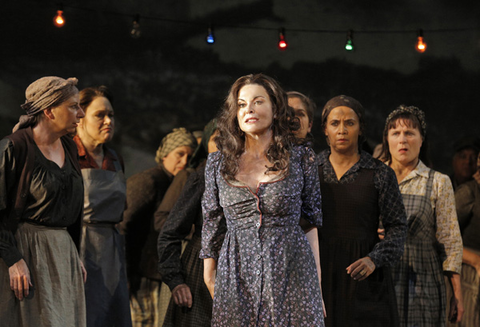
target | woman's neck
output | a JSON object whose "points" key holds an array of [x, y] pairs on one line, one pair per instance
{"points": [[93, 148], [49, 143], [257, 145], [44, 136], [344, 159], [342, 162], [403, 169]]}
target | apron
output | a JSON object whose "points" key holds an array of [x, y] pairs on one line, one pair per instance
{"points": [[349, 232], [102, 248], [418, 276]]}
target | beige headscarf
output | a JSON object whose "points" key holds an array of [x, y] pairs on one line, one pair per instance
{"points": [[44, 93]]}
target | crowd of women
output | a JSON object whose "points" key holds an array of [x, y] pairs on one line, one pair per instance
{"points": [[245, 227]]}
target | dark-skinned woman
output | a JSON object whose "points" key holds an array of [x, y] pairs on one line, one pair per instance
{"points": [[357, 193]]}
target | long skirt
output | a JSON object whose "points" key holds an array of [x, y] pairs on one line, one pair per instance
{"points": [[57, 297], [200, 314], [106, 291]]}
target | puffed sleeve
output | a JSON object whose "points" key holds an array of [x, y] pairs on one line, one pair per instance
{"points": [[311, 198], [212, 231], [8, 249], [392, 214], [448, 232]]}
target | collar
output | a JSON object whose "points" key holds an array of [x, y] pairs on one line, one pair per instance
{"points": [[420, 170], [87, 162], [366, 161]]}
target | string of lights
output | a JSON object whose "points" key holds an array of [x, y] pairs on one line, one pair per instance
{"points": [[420, 45]]}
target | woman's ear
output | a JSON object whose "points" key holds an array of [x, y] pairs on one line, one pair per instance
{"points": [[49, 113]]}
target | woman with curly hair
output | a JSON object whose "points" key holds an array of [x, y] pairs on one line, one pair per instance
{"points": [[259, 272]]}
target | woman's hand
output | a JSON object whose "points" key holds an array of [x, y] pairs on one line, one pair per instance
{"points": [[361, 269], [182, 295], [84, 271], [381, 233], [476, 176], [209, 274], [20, 281], [456, 301]]}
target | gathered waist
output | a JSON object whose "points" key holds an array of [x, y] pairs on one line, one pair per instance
{"points": [[41, 227], [99, 223], [258, 225]]}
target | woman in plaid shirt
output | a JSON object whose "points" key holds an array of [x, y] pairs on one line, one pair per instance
{"points": [[434, 245]]}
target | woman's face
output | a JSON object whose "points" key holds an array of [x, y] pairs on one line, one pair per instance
{"points": [[404, 142], [98, 124], [254, 113], [342, 130], [67, 115], [177, 159], [301, 113]]}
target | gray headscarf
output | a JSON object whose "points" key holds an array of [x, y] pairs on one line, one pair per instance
{"points": [[179, 137], [46, 92]]}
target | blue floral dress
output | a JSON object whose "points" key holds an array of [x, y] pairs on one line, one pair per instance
{"points": [[266, 273]]}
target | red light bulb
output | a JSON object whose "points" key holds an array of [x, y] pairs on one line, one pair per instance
{"points": [[282, 43]]}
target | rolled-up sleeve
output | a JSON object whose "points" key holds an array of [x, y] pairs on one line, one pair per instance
{"points": [[448, 231]]}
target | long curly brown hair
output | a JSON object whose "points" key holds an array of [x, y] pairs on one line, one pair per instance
{"points": [[231, 139]]}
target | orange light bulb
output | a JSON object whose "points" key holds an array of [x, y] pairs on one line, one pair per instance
{"points": [[421, 45], [58, 20]]}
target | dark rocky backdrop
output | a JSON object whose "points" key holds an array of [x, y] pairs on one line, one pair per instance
{"points": [[170, 77]]}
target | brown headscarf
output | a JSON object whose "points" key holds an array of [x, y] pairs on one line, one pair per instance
{"points": [[346, 101], [46, 92]]}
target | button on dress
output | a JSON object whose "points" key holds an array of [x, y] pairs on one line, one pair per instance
{"points": [[266, 273]]}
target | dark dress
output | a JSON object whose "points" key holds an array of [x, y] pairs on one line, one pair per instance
{"points": [[145, 192], [266, 273], [54, 198], [189, 269], [352, 209]]}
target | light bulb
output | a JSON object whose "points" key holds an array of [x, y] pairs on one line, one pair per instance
{"points": [[58, 20], [136, 31], [420, 46], [282, 42], [349, 44], [210, 37]]}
